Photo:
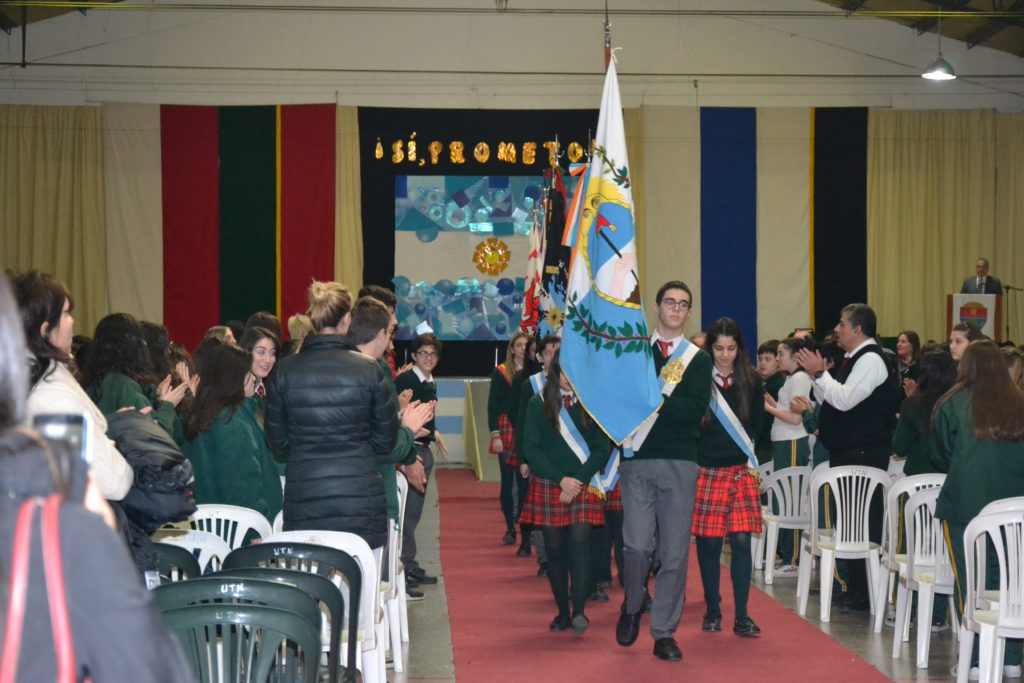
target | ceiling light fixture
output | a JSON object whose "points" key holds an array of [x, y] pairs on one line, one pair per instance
{"points": [[940, 69]]}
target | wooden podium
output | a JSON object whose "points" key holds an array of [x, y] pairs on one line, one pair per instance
{"points": [[984, 311]]}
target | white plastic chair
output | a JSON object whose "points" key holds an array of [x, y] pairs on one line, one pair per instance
{"points": [[209, 548], [758, 546], [390, 590], [789, 488], [1005, 531], [852, 487], [928, 570], [231, 522], [895, 469], [371, 618], [809, 539], [894, 562], [403, 603], [278, 524], [989, 599]]}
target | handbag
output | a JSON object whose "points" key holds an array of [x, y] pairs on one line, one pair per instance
{"points": [[53, 568]]}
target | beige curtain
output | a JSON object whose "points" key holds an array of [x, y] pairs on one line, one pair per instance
{"points": [[633, 122], [1008, 256], [931, 212], [348, 217], [51, 200]]}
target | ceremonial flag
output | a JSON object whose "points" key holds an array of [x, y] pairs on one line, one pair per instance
{"points": [[534, 272], [606, 349]]}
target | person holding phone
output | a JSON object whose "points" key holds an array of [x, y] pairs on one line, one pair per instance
{"points": [[46, 306]]}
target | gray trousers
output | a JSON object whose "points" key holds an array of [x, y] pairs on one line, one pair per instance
{"points": [[658, 497], [414, 510]]}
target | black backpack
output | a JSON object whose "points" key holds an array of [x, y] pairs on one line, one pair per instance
{"points": [[162, 490]]}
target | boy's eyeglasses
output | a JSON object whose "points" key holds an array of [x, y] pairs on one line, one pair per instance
{"points": [[682, 304], [427, 354]]}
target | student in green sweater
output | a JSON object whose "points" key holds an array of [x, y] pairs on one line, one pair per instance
{"points": [[117, 374], [565, 449], [773, 375], [728, 501], [914, 438], [979, 436], [503, 395], [229, 454]]}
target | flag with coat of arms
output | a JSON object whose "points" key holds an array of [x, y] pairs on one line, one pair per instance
{"points": [[606, 348]]}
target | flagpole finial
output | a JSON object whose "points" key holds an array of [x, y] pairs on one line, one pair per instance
{"points": [[607, 37]]}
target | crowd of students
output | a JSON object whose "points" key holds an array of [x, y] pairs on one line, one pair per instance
{"points": [[955, 407]]}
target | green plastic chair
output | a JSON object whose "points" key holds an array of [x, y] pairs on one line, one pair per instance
{"points": [[221, 590], [175, 561], [241, 643], [316, 559], [315, 586]]}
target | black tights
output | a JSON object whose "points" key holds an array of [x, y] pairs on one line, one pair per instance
{"points": [[741, 568], [568, 549]]}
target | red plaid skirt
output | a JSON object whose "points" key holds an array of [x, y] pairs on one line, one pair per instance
{"points": [[613, 501], [542, 507], [508, 441], [727, 501]]}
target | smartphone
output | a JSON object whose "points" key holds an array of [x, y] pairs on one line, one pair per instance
{"points": [[71, 428]]}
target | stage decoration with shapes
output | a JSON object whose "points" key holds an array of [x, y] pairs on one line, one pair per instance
{"points": [[491, 256]]}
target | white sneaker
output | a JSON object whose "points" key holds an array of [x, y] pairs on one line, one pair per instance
{"points": [[786, 571], [890, 619], [939, 626], [973, 675], [1011, 671]]}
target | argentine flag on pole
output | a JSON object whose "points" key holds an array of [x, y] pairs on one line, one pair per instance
{"points": [[606, 347]]}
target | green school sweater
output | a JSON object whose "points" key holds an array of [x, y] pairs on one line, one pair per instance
{"points": [[716, 448], [503, 398], [421, 391], [233, 465], [911, 442], [548, 454], [979, 471], [675, 434], [403, 453], [118, 391]]}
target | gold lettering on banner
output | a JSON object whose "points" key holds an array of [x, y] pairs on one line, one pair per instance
{"points": [[507, 152], [529, 153], [397, 154], [379, 150], [482, 152], [412, 147], [552, 147], [575, 152], [456, 149], [435, 148]]}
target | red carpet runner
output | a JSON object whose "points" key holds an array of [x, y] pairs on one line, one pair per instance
{"points": [[500, 612]]}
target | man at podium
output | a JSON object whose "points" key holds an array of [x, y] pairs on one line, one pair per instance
{"points": [[981, 283]]}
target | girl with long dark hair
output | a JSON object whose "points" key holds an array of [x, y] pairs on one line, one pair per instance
{"points": [[979, 436], [501, 404], [117, 372], [229, 454], [565, 449], [728, 501], [914, 438]]}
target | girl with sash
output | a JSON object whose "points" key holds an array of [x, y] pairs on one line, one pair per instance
{"points": [[501, 405], [728, 501], [565, 450], [790, 445]]}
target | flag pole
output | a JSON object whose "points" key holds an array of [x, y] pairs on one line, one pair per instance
{"points": [[607, 38]]}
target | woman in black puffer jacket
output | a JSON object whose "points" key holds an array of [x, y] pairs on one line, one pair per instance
{"points": [[330, 416]]}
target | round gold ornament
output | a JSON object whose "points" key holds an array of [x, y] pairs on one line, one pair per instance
{"points": [[492, 256]]}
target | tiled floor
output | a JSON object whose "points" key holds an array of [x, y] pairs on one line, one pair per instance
{"points": [[429, 656]]}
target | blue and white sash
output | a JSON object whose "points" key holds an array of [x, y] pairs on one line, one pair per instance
{"points": [[732, 425], [578, 445], [537, 381], [671, 374]]}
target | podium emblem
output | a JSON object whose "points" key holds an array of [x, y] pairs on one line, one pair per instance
{"points": [[974, 313]]}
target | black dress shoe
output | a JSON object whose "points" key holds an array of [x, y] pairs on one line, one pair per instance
{"points": [[712, 622], [561, 623], [627, 629], [509, 538], [855, 602], [745, 626], [666, 648], [580, 624], [524, 550], [599, 595], [542, 570]]}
